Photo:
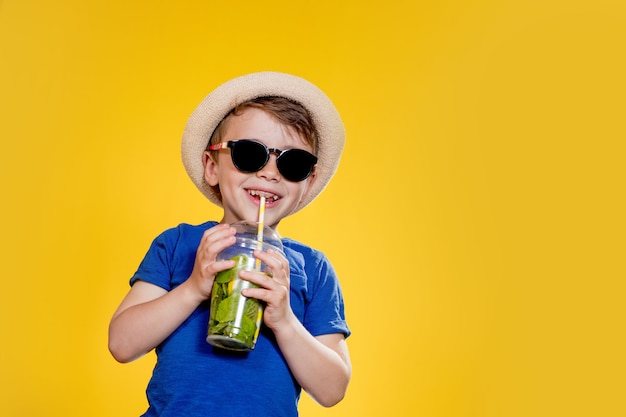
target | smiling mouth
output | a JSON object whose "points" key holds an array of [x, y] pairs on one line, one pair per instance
{"points": [[269, 197]]}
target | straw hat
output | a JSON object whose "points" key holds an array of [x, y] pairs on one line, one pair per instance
{"points": [[224, 98]]}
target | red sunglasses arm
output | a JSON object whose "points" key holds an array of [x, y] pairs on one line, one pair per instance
{"points": [[218, 146]]}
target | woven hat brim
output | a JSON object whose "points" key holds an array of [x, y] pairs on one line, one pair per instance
{"points": [[217, 104]]}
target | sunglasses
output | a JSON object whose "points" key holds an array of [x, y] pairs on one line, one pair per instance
{"points": [[251, 156]]}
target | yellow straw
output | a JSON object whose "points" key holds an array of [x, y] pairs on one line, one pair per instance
{"points": [[259, 235]]}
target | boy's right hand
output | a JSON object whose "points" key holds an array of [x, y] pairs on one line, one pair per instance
{"points": [[206, 267]]}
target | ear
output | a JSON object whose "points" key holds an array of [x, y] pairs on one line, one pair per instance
{"points": [[210, 169], [309, 183]]}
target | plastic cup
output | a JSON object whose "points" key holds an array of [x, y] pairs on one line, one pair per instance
{"points": [[234, 320]]}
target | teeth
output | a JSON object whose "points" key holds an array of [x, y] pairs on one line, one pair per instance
{"points": [[268, 196]]}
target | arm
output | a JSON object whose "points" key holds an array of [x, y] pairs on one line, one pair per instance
{"points": [[321, 364], [149, 314]]}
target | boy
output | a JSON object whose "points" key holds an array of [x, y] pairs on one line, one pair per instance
{"points": [[263, 134]]}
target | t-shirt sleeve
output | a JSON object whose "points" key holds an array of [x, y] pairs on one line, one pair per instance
{"points": [[325, 311], [155, 268]]}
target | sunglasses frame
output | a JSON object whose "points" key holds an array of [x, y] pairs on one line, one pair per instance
{"points": [[232, 144]]}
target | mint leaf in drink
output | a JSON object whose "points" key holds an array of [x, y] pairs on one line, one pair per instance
{"points": [[227, 309], [251, 309], [232, 273]]}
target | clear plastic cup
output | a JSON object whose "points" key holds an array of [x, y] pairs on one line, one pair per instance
{"points": [[235, 321]]}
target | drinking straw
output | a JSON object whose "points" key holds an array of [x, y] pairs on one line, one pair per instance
{"points": [[259, 233]]}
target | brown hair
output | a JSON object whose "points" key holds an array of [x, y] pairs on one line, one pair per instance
{"points": [[289, 113]]}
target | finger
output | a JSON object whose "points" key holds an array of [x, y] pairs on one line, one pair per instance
{"points": [[277, 264], [218, 232], [274, 297], [271, 296], [213, 268], [217, 238], [276, 256], [259, 278]]}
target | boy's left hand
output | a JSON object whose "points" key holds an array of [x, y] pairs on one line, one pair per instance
{"points": [[273, 290]]}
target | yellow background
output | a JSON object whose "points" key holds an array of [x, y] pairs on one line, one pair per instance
{"points": [[476, 220]]}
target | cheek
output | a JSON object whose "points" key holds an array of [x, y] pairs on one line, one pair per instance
{"points": [[300, 190], [217, 172]]}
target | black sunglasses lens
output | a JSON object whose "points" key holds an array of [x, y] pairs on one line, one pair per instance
{"points": [[248, 156], [296, 164]]}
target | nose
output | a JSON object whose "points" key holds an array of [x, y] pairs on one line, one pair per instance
{"points": [[270, 171]]}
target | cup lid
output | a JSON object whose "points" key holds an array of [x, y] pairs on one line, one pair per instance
{"points": [[249, 231]]}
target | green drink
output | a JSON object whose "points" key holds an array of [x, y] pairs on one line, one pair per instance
{"points": [[235, 321]]}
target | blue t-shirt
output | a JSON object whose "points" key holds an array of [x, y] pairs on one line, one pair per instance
{"points": [[192, 378]]}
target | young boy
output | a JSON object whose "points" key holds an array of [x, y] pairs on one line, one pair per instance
{"points": [[263, 134]]}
